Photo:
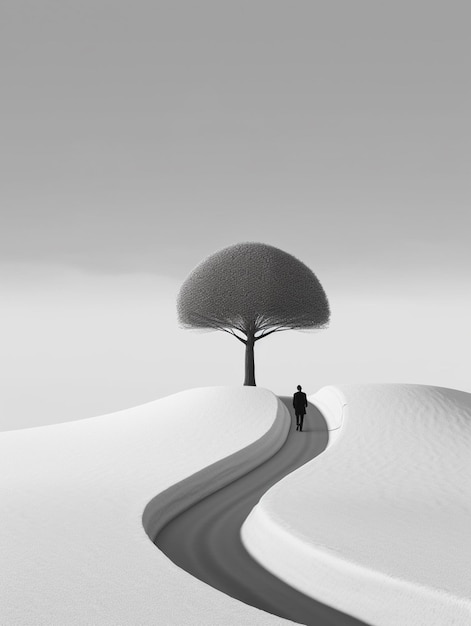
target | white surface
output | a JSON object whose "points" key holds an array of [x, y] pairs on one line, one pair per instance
{"points": [[332, 404], [73, 548], [378, 525]]}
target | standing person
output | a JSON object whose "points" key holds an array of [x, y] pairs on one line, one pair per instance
{"points": [[300, 404]]}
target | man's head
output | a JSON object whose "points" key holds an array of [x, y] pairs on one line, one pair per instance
{"points": [[299, 387]]}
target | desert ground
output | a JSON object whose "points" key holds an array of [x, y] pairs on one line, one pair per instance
{"points": [[367, 520]]}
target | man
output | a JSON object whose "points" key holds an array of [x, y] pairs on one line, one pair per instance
{"points": [[300, 404]]}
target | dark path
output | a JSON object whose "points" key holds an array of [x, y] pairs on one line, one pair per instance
{"points": [[205, 539]]}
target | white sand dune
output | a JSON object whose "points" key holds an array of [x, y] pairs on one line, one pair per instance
{"points": [[72, 545], [378, 526]]}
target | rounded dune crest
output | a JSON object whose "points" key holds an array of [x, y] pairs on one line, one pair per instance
{"points": [[378, 525]]}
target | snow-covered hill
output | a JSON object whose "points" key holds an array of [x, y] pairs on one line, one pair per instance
{"points": [[72, 544], [378, 525]]}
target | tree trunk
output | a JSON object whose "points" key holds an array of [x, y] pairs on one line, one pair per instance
{"points": [[249, 361]]}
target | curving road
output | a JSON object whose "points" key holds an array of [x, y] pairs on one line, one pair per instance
{"points": [[205, 539]]}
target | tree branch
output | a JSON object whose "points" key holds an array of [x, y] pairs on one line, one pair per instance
{"points": [[269, 332], [231, 332]]}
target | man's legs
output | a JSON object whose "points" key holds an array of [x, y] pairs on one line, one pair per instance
{"points": [[301, 421]]}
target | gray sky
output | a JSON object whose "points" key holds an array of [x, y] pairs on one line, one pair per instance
{"points": [[145, 135], [139, 137]]}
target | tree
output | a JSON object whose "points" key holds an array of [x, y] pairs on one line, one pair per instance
{"points": [[251, 290]]}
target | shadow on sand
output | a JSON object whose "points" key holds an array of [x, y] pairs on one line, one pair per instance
{"points": [[205, 539]]}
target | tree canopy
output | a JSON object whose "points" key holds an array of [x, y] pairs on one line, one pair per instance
{"points": [[251, 290]]}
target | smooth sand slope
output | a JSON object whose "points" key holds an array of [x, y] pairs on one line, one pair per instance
{"points": [[379, 524], [205, 538], [72, 545]]}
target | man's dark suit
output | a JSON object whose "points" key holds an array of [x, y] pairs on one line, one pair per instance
{"points": [[300, 404]]}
